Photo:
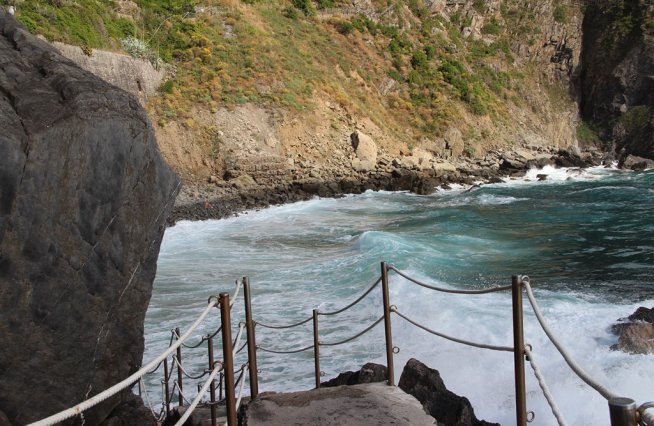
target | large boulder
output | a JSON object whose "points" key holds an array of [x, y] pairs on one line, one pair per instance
{"points": [[426, 385], [636, 332], [366, 152], [84, 196]]}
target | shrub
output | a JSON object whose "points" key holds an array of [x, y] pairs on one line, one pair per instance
{"points": [[305, 6], [135, 47], [560, 13]]}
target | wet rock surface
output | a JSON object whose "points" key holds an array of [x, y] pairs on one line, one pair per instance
{"points": [[448, 408], [636, 332], [84, 196], [221, 198]]}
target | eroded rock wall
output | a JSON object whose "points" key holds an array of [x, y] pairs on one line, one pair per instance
{"points": [[84, 195], [615, 79]]}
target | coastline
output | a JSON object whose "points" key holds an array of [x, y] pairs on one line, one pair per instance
{"points": [[219, 199]]}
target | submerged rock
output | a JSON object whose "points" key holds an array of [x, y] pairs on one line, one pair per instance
{"points": [[84, 196], [369, 373]]}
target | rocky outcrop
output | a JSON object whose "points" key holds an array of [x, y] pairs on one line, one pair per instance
{"points": [[135, 75], [615, 85], [369, 373], [426, 385], [636, 332], [84, 196], [423, 383]]}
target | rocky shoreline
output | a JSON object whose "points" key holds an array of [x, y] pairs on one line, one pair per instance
{"points": [[221, 198]]}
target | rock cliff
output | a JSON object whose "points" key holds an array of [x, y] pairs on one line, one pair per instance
{"points": [[616, 90], [84, 195]]}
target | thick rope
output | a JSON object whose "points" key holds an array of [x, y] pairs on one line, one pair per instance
{"points": [[449, 290], [83, 406], [179, 365], [293, 351], [201, 393], [453, 339], [241, 327], [345, 308], [240, 389], [544, 388], [608, 395], [353, 337], [279, 327], [220, 327], [147, 398], [154, 370]]}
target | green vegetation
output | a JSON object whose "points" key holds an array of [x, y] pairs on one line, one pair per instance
{"points": [[560, 13], [586, 134], [635, 118], [279, 54]]}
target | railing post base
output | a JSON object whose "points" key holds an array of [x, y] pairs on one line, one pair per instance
{"points": [[622, 412]]}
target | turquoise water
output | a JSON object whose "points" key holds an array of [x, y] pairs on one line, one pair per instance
{"points": [[586, 239]]}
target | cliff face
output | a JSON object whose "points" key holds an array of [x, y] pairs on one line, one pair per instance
{"points": [[615, 82], [84, 195]]}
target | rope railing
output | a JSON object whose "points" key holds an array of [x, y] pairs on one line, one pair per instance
{"points": [[453, 339], [281, 327], [237, 341], [448, 290], [580, 372], [546, 391], [349, 339], [359, 299], [129, 381], [216, 369], [218, 330], [186, 374], [241, 386], [278, 351]]}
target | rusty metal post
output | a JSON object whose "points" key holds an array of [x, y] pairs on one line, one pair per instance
{"points": [[252, 340], [316, 348], [622, 412], [519, 352], [228, 358], [212, 391], [166, 387], [387, 325], [179, 370]]}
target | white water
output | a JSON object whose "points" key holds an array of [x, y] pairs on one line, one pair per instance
{"points": [[324, 253]]}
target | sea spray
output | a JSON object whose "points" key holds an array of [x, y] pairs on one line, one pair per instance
{"points": [[584, 238]]}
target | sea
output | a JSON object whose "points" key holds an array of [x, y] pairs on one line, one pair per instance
{"points": [[584, 237]]}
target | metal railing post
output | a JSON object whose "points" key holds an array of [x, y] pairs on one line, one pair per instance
{"points": [[252, 340], [166, 387], [179, 370], [622, 412], [387, 324], [518, 352], [316, 348], [212, 388], [228, 357]]}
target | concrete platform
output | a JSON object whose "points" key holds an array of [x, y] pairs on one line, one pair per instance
{"points": [[360, 405]]}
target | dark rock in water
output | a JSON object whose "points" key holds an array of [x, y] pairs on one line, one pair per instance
{"points": [[636, 333], [567, 159], [369, 373], [426, 385], [541, 176], [84, 196]]}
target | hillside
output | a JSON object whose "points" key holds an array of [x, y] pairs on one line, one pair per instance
{"points": [[260, 92]]}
